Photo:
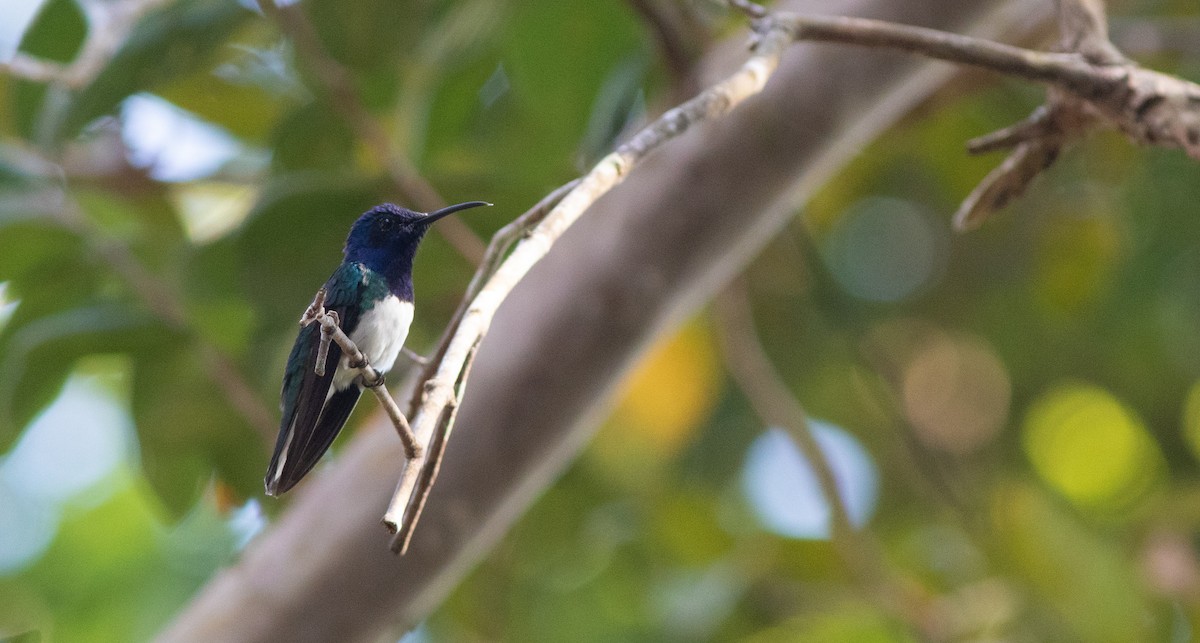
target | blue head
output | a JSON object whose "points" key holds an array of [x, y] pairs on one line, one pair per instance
{"points": [[386, 237]]}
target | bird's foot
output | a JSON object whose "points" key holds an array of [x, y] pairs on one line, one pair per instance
{"points": [[378, 381]]}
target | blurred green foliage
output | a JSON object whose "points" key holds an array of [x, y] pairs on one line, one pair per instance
{"points": [[1030, 393]]}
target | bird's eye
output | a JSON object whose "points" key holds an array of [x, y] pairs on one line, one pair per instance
{"points": [[386, 224]]}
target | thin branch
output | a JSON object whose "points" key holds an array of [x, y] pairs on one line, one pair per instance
{"points": [[440, 392], [165, 304], [339, 82], [1048, 67], [1091, 86], [331, 331], [1084, 28], [775, 405], [414, 356], [420, 473]]}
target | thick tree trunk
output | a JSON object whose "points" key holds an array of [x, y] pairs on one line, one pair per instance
{"points": [[642, 259]]}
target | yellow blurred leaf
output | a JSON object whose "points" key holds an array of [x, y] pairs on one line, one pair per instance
{"points": [[669, 394]]}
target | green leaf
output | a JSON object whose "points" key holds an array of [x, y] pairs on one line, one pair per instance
{"points": [[166, 45], [189, 432], [56, 34], [312, 136], [364, 34], [38, 354]]}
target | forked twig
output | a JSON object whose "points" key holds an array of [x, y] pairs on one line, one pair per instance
{"points": [[372, 379]]}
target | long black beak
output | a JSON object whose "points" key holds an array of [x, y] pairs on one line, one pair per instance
{"points": [[451, 209]]}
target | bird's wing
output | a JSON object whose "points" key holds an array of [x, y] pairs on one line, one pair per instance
{"points": [[312, 417]]}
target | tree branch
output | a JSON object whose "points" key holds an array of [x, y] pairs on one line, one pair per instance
{"points": [[1061, 120], [441, 392], [331, 331], [1092, 86]]}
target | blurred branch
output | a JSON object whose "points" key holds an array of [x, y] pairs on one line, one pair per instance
{"points": [[1092, 86], [441, 392], [108, 26], [338, 81], [163, 302], [331, 331], [675, 38], [775, 405]]}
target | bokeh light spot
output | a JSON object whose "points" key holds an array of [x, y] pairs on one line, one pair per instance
{"points": [[1191, 419], [784, 491], [75, 443], [956, 394], [172, 143], [27, 527], [671, 392], [1089, 447], [1075, 257], [885, 250]]}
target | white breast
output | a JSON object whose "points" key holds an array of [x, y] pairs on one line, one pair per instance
{"points": [[380, 335]]}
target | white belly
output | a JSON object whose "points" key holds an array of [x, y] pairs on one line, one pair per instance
{"points": [[380, 335]]}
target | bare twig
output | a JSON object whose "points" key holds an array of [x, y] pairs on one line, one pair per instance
{"points": [[405, 178], [419, 475], [1007, 182], [415, 357], [439, 393], [372, 379], [1091, 84], [1084, 28]]}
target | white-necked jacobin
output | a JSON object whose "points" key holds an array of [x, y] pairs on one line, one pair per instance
{"points": [[372, 294]]}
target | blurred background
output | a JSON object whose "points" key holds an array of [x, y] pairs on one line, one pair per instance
{"points": [[1010, 418]]}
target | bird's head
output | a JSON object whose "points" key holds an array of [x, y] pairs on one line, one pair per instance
{"points": [[388, 233]]}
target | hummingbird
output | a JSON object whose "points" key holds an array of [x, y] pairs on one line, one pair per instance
{"points": [[372, 294]]}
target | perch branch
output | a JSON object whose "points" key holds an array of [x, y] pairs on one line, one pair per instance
{"points": [[420, 474], [440, 393], [372, 379]]}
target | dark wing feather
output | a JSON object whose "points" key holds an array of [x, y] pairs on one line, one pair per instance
{"points": [[329, 424], [309, 424]]}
